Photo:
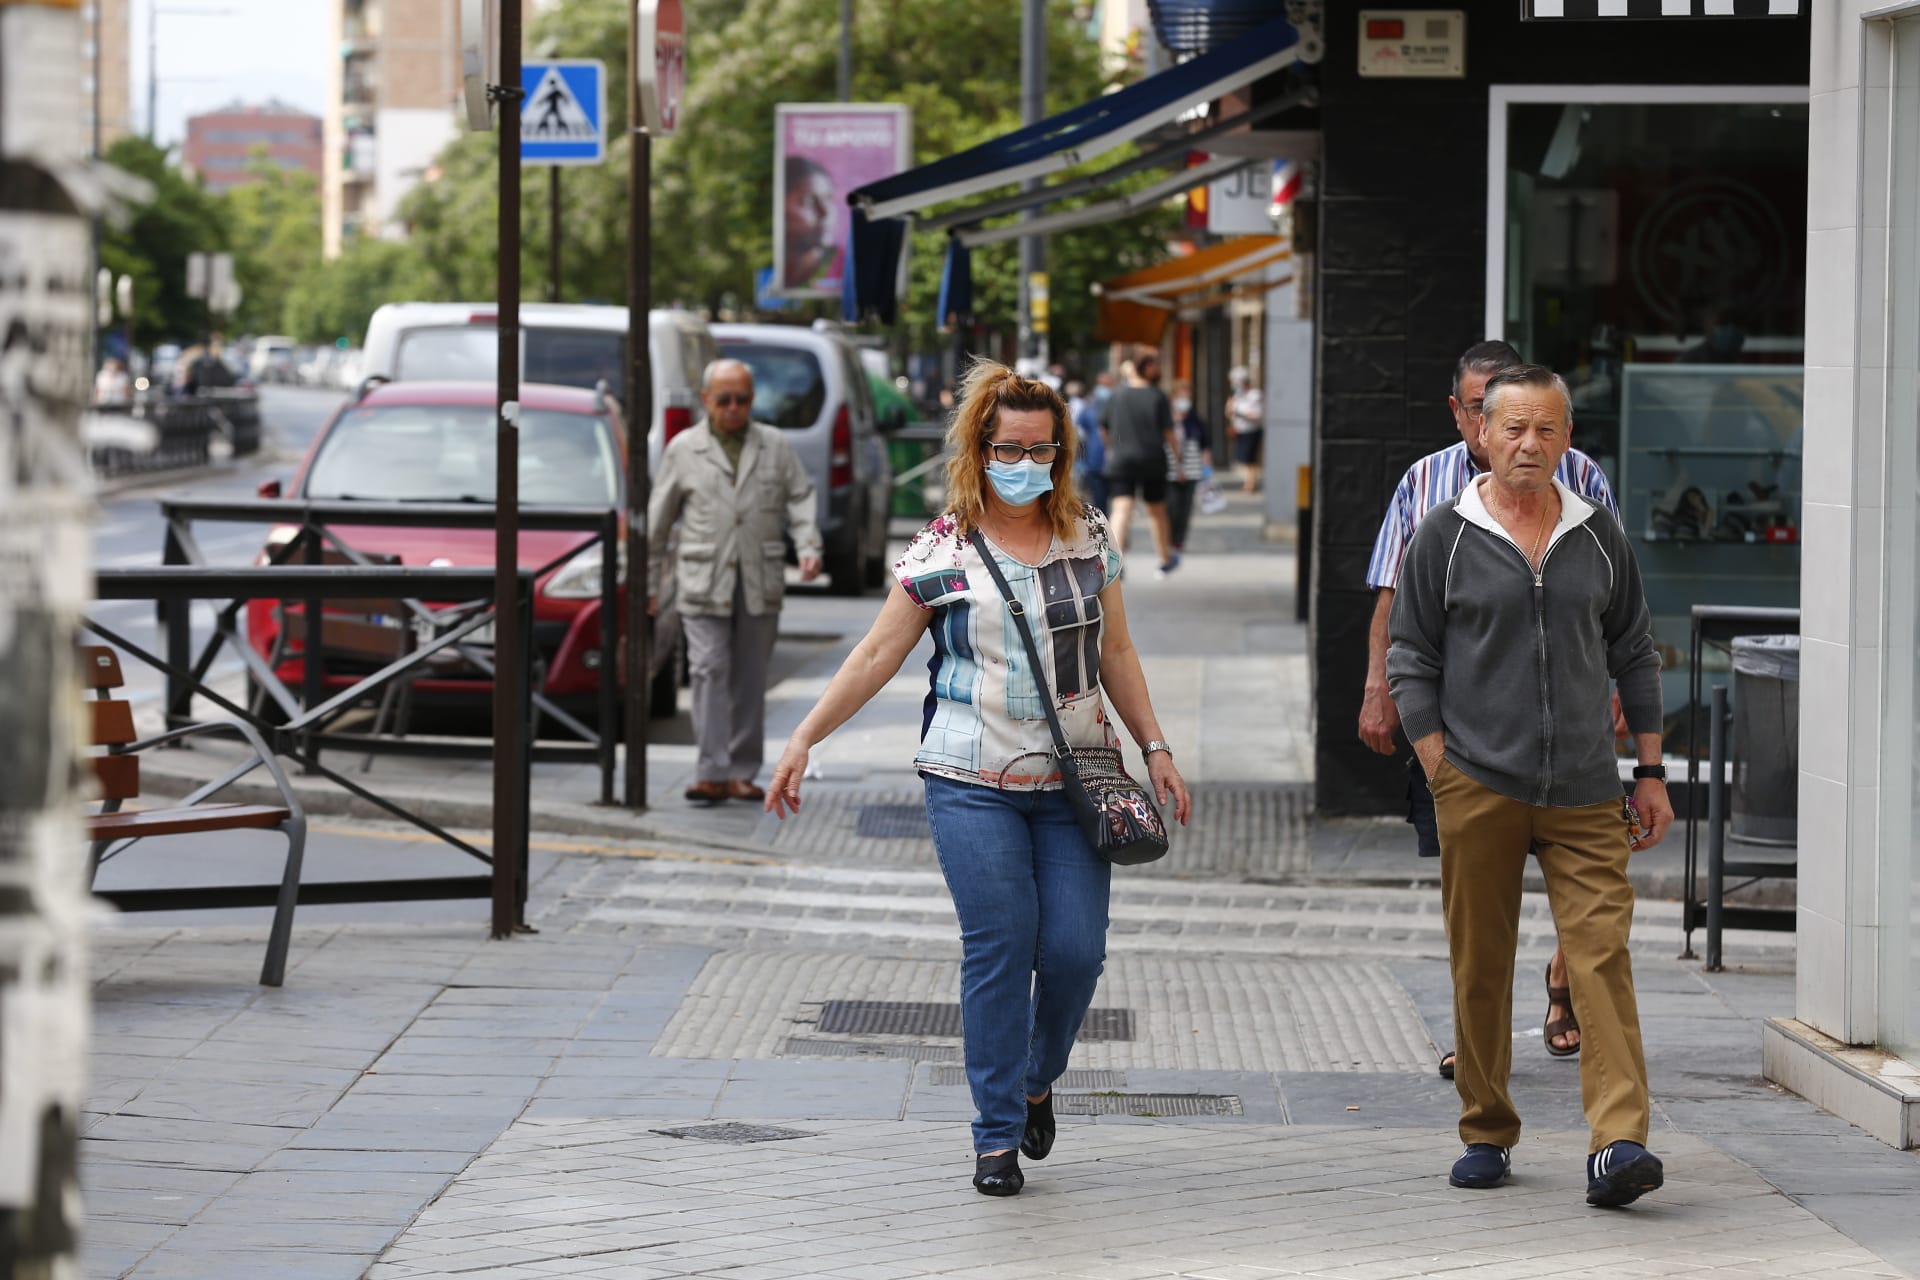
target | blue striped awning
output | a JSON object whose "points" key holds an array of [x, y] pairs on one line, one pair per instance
{"points": [[1061, 141]]}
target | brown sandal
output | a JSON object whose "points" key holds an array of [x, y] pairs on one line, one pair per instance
{"points": [[1559, 1026]]}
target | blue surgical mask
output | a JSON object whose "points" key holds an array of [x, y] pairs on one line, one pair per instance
{"points": [[1019, 483]]}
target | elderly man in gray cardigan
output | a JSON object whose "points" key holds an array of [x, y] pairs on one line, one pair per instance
{"points": [[1517, 603], [736, 491]]}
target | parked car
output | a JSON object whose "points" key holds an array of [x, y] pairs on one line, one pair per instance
{"points": [[434, 442], [273, 358], [811, 385], [565, 344]]}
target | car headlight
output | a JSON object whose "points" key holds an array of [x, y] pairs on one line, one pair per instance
{"points": [[579, 578]]}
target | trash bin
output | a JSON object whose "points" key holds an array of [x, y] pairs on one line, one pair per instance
{"points": [[1766, 739]]}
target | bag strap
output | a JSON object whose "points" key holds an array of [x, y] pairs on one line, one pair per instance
{"points": [[1019, 612]]}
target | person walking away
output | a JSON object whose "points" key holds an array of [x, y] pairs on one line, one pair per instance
{"points": [[735, 489], [1090, 463], [1247, 413], [1030, 892], [1139, 424], [1186, 465], [1433, 481], [1517, 601]]}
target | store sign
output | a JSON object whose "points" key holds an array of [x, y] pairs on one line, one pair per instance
{"points": [[1413, 43], [663, 77], [821, 151], [1241, 202]]}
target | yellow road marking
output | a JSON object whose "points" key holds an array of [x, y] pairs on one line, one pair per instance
{"points": [[552, 846]]}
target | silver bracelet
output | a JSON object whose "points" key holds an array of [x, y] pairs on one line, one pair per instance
{"points": [[1147, 749]]}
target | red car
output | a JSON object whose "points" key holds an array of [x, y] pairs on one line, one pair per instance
{"points": [[434, 442]]}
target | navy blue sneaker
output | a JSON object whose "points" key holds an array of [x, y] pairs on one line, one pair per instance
{"points": [[1481, 1165], [1620, 1173]]}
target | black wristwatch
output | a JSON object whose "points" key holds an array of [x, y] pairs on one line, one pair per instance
{"points": [[1650, 771]]}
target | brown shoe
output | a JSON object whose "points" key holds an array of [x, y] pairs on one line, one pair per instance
{"points": [[707, 794], [741, 789]]}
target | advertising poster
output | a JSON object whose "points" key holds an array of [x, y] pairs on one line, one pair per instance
{"points": [[821, 151]]}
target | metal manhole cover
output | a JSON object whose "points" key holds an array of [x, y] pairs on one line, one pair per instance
{"points": [[1146, 1104], [1077, 1078], [942, 1021], [892, 822], [808, 1047], [729, 1131]]}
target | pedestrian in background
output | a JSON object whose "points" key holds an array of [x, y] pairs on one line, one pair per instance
{"points": [[1247, 414], [1186, 465], [1089, 467], [1516, 603], [1030, 892], [1138, 421], [736, 490], [1434, 481]]}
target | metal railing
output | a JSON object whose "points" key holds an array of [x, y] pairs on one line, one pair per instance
{"points": [[177, 587], [163, 433], [315, 537]]}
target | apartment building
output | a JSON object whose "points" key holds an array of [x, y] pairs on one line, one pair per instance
{"points": [[221, 145], [107, 72], [393, 102]]}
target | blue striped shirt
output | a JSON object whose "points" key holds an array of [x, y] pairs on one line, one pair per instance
{"points": [[1439, 478]]}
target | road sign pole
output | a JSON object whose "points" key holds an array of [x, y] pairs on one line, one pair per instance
{"points": [[553, 233], [639, 627], [510, 819]]}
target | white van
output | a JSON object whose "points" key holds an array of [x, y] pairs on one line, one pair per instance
{"points": [[569, 344]]}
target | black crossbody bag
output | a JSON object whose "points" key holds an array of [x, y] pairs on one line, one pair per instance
{"points": [[1118, 815]]}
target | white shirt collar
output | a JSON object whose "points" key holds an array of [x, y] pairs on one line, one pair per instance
{"points": [[1574, 510]]}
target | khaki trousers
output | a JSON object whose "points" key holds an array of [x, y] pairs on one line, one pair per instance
{"points": [[1484, 837], [727, 658]]}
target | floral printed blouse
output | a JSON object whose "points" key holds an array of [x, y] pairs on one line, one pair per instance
{"points": [[983, 721]]}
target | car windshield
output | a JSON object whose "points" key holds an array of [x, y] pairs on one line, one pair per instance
{"points": [[470, 352], [445, 453], [788, 387]]}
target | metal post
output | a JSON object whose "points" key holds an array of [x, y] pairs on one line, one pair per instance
{"points": [[510, 657], [153, 71], [1716, 821], [846, 51], [553, 233], [1033, 108], [639, 406], [609, 697], [45, 914]]}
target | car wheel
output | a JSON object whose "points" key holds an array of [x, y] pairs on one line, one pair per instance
{"points": [[845, 564]]}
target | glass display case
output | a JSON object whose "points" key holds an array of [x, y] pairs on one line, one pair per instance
{"points": [[1709, 485]]}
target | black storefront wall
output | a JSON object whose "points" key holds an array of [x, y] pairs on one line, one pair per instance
{"points": [[1401, 287]]}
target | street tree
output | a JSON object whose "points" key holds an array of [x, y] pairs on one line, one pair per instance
{"points": [[336, 300], [180, 218], [955, 63], [274, 233]]}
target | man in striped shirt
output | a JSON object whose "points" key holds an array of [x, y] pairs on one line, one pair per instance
{"points": [[1436, 479]]}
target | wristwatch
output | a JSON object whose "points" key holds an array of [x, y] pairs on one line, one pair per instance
{"points": [[1650, 771], [1148, 748]]}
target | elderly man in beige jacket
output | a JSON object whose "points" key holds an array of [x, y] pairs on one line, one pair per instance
{"points": [[734, 488]]}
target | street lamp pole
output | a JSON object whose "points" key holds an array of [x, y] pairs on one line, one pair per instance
{"points": [[1033, 249], [509, 656], [639, 407], [154, 14]]}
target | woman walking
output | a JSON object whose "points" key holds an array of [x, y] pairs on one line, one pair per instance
{"points": [[1030, 891]]}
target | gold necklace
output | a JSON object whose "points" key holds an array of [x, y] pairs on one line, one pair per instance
{"points": [[1538, 534]]}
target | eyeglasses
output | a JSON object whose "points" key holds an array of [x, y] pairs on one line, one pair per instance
{"points": [[1044, 453], [727, 399], [1477, 409]]}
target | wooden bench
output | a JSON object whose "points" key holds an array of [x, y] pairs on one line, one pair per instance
{"points": [[117, 771]]}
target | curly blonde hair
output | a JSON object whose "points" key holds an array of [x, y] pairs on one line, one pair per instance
{"points": [[987, 388]]}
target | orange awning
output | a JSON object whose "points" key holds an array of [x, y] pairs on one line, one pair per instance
{"points": [[1136, 307]]}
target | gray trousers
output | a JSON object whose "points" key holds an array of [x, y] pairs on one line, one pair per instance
{"points": [[727, 657]]}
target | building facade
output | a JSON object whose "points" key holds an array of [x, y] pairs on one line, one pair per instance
{"points": [[106, 81], [1622, 199], [1854, 1043], [221, 146]]}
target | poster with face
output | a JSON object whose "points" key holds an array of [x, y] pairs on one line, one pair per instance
{"points": [[820, 153]]}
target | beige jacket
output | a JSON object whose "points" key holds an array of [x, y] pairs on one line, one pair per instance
{"points": [[730, 523]]}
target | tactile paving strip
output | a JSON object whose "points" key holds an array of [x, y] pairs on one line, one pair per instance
{"points": [[952, 1077], [1188, 1013], [941, 1021]]}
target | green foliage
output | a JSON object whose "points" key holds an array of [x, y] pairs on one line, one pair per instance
{"points": [[336, 301], [955, 63], [152, 246], [274, 223]]}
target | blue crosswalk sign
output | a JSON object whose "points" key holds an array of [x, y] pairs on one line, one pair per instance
{"points": [[563, 117]]}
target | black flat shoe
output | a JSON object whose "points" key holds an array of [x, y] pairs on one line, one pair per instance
{"points": [[998, 1175], [1038, 1140]]}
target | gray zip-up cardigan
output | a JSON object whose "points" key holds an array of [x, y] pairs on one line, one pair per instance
{"points": [[1512, 665]]}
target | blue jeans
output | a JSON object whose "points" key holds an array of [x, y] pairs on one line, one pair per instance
{"points": [[1031, 895]]}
